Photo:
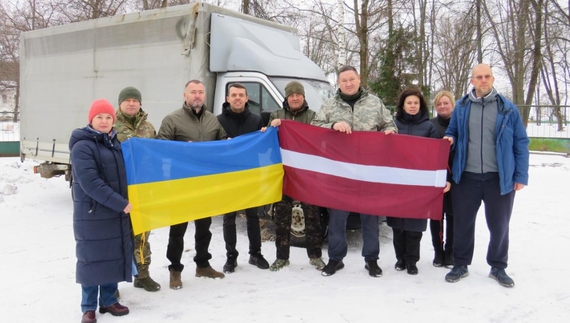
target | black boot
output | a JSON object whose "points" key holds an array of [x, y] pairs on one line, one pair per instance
{"points": [[412, 269], [448, 259], [230, 265], [438, 259]]}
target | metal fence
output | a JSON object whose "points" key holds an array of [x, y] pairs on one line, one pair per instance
{"points": [[548, 121], [9, 130]]}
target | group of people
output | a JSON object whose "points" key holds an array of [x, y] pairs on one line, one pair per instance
{"points": [[488, 163]]}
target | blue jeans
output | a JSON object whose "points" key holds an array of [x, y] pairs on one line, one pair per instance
{"points": [[89, 296], [337, 235]]}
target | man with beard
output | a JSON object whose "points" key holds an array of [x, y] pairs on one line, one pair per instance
{"points": [[192, 122]]}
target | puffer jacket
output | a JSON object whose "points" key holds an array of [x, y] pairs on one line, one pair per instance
{"points": [[102, 230]]}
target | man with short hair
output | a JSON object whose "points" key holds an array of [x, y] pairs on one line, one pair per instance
{"points": [[295, 107], [192, 122], [353, 108], [238, 120], [490, 164], [131, 122]]}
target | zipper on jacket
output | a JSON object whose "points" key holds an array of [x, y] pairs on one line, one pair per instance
{"points": [[482, 129]]}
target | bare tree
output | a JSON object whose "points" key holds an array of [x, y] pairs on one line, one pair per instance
{"points": [[513, 25], [455, 52], [554, 70]]}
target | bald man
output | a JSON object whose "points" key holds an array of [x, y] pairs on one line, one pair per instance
{"points": [[490, 165]]}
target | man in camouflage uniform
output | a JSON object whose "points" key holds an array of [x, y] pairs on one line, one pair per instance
{"points": [[131, 122], [295, 108], [353, 108]]}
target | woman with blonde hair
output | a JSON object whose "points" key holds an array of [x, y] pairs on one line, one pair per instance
{"points": [[444, 102]]}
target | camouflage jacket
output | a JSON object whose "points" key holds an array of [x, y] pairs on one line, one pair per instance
{"points": [[303, 115], [141, 128], [369, 114]]}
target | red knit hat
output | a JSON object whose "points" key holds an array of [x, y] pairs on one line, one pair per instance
{"points": [[101, 106]]}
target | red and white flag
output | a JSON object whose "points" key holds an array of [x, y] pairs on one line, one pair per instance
{"points": [[364, 172]]}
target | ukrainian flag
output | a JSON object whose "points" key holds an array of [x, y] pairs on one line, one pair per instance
{"points": [[171, 182]]}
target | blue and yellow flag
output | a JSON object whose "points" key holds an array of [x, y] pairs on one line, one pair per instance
{"points": [[171, 182]]}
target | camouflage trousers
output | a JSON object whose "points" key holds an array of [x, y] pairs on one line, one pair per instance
{"points": [[142, 253], [313, 235]]}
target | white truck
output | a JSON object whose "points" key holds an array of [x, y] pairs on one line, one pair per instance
{"points": [[64, 68]]}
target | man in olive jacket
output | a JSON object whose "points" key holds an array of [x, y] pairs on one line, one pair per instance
{"points": [[192, 122]]}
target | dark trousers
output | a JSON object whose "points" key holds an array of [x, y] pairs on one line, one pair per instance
{"points": [[253, 232], [407, 245], [337, 235], [313, 233], [467, 197], [202, 238]]}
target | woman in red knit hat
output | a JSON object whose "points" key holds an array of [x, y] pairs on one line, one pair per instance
{"points": [[101, 221]]}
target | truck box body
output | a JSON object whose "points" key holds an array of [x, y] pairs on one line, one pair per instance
{"points": [[64, 68]]}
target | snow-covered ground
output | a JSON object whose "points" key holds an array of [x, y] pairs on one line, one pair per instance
{"points": [[37, 263]]}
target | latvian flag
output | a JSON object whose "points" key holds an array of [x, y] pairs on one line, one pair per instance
{"points": [[364, 172]]}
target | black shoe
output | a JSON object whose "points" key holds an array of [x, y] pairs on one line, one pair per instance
{"points": [[230, 265], [456, 274], [412, 269], [400, 265], [438, 260], [448, 260], [258, 261], [373, 269], [332, 267], [501, 277]]}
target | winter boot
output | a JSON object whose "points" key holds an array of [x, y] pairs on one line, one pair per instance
{"points": [[258, 260], [175, 279], [448, 259], [438, 259], [317, 262], [208, 272], [373, 269], [230, 265], [143, 280], [279, 264]]}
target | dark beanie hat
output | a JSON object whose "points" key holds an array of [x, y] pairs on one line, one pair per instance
{"points": [[294, 87], [101, 106], [130, 93]]}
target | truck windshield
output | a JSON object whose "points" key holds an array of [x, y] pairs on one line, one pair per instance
{"points": [[315, 91]]}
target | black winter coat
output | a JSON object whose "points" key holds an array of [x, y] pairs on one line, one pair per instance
{"points": [[236, 124], [417, 125], [103, 236], [440, 128]]}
